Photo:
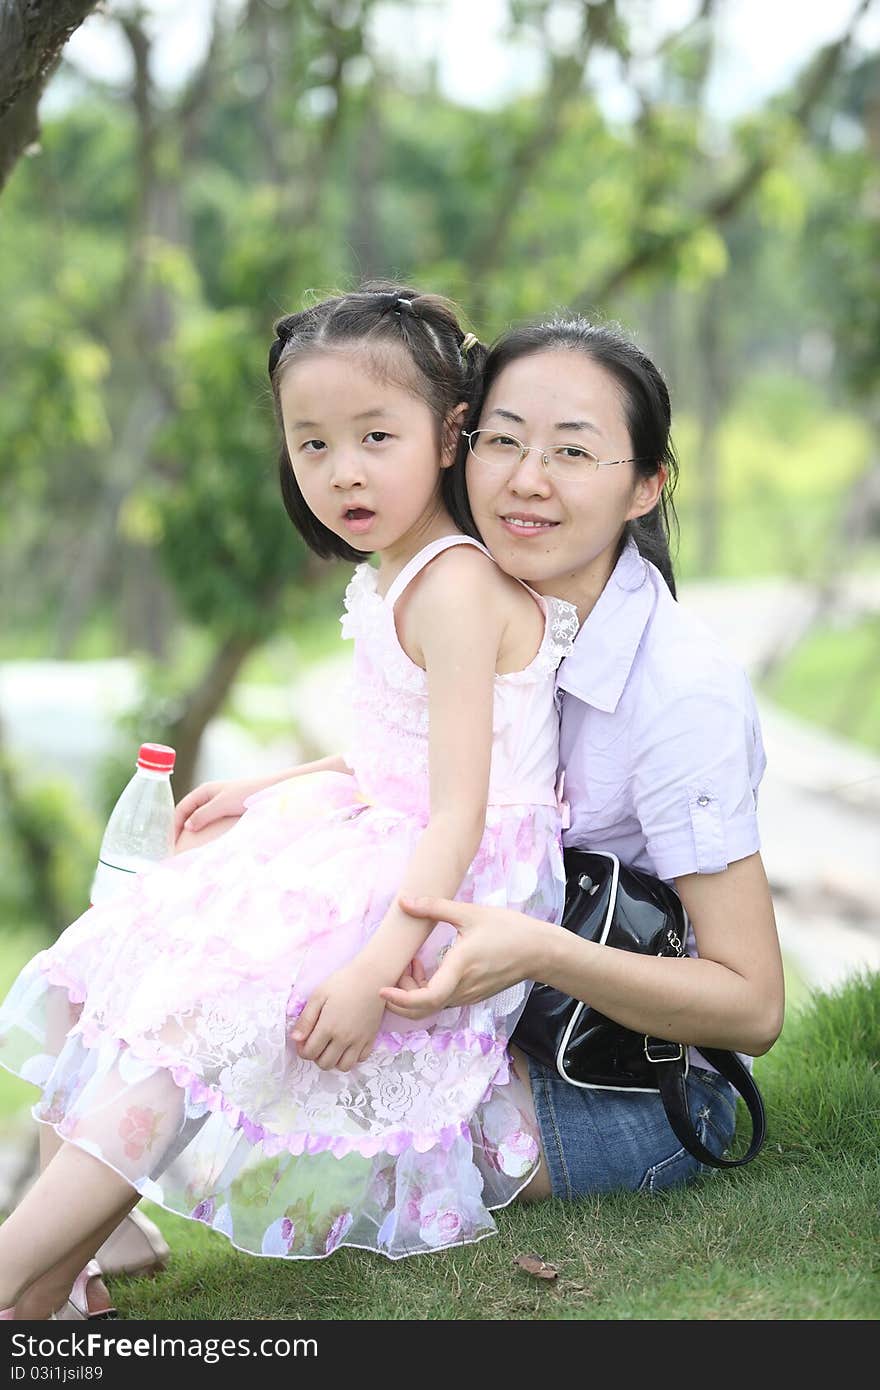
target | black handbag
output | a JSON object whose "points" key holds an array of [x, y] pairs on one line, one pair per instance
{"points": [[617, 906]]}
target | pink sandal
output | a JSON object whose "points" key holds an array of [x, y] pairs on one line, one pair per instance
{"points": [[76, 1309]]}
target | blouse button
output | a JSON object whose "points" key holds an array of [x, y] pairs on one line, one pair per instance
{"points": [[703, 800]]}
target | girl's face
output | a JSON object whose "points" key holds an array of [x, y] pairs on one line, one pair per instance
{"points": [[561, 537], [365, 453]]}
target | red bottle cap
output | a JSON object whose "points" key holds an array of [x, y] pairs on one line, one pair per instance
{"points": [[158, 757]]}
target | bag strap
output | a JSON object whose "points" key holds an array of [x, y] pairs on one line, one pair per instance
{"points": [[672, 1085]]}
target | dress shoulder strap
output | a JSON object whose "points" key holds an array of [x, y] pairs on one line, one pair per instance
{"points": [[423, 558]]}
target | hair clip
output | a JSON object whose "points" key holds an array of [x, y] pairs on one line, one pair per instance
{"points": [[467, 343], [275, 352], [283, 335]]}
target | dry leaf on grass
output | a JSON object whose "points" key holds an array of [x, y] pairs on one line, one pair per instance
{"points": [[536, 1266]]}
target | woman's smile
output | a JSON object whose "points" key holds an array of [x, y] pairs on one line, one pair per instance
{"points": [[526, 525]]}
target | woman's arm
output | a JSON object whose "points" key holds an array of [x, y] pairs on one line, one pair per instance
{"points": [[731, 997]]}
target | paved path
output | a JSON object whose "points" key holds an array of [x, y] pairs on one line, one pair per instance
{"points": [[820, 798]]}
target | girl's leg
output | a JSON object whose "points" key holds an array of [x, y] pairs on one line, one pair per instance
{"points": [[98, 1297], [60, 1221], [61, 1017], [49, 1294], [50, 1141], [539, 1187], [193, 839]]}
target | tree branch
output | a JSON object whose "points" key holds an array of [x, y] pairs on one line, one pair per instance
{"points": [[32, 35], [566, 76], [723, 203]]}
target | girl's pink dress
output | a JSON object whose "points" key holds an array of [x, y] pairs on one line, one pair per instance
{"points": [[157, 1025]]}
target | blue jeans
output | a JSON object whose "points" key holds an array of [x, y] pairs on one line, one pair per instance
{"points": [[605, 1141]]}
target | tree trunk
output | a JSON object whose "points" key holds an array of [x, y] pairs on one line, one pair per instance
{"points": [[204, 702], [364, 237], [711, 403], [32, 35]]}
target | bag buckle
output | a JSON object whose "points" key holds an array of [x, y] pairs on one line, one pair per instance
{"points": [[669, 1051]]}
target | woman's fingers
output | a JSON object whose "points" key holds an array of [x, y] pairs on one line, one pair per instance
{"points": [[412, 1003], [438, 910], [441, 990], [414, 977]]}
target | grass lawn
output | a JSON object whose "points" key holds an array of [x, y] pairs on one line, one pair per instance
{"points": [[791, 1236]]}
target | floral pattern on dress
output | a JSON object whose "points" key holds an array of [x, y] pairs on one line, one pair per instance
{"points": [[157, 1026]]}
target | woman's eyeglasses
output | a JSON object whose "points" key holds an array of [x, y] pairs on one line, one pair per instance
{"points": [[566, 462]]}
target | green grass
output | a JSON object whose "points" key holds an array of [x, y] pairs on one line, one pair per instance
{"points": [[791, 1236]]}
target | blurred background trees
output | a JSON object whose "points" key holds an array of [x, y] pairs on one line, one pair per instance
{"points": [[149, 243]]}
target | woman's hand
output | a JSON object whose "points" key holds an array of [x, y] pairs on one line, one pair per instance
{"points": [[495, 948], [215, 801], [338, 1026]]}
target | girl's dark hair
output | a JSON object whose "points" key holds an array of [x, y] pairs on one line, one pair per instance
{"points": [[442, 366], [646, 407]]}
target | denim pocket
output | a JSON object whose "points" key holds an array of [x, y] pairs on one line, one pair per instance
{"points": [[714, 1119], [679, 1168]]}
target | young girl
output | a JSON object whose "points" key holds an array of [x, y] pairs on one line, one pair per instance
{"points": [[216, 1040]]}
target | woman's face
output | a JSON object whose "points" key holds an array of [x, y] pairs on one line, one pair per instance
{"points": [[560, 536]]}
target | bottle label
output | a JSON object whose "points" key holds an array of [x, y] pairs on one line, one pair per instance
{"points": [[114, 877]]}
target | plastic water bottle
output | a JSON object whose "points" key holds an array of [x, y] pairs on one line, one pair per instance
{"points": [[140, 830]]}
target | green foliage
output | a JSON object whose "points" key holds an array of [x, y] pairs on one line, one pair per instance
{"points": [[786, 463], [285, 183], [831, 679], [225, 539], [50, 844]]}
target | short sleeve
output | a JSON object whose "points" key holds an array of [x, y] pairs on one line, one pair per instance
{"points": [[697, 765]]}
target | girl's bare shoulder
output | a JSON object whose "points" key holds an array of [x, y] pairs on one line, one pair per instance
{"points": [[463, 580], [464, 573]]}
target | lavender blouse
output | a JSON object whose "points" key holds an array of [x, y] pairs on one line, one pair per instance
{"points": [[660, 741], [660, 745]]}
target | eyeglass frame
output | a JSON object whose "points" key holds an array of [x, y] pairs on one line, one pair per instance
{"points": [[545, 460]]}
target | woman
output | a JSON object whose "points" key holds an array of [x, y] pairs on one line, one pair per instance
{"points": [[568, 461]]}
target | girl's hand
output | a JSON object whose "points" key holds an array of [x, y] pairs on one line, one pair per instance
{"points": [[214, 801], [338, 1026], [495, 948]]}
